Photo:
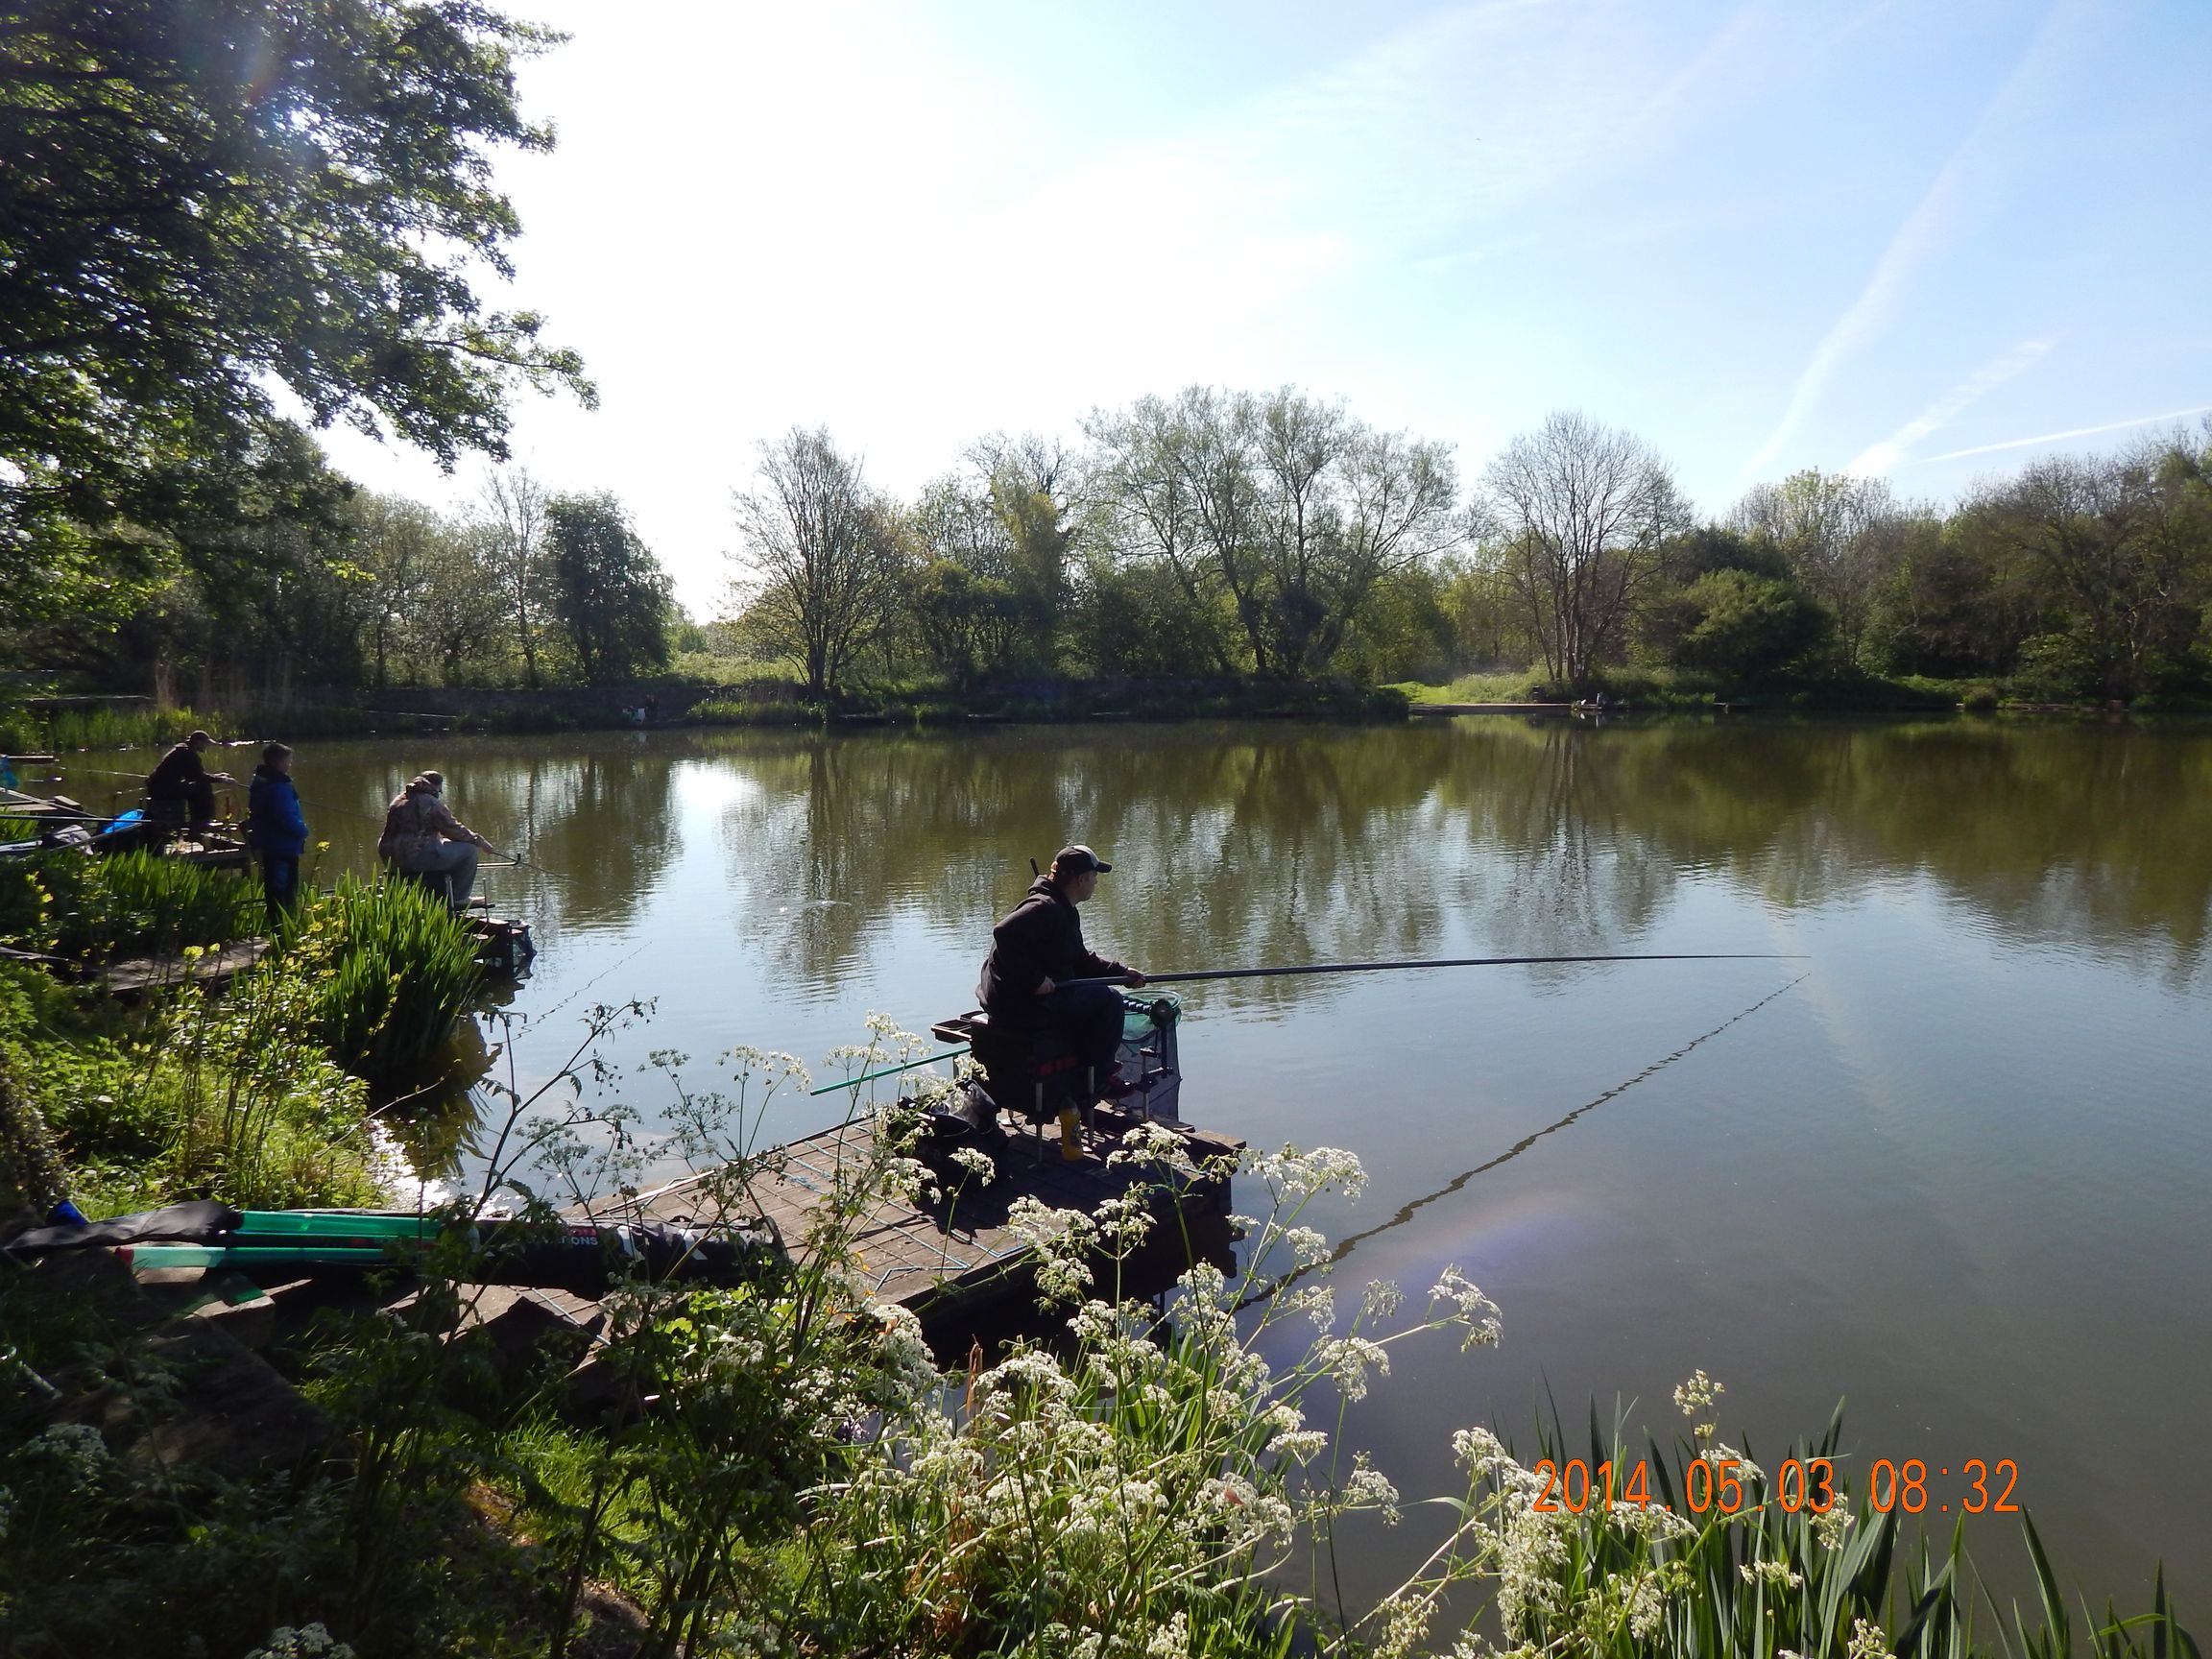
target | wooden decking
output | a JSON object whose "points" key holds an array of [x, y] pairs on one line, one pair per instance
{"points": [[218, 967], [961, 1256]]}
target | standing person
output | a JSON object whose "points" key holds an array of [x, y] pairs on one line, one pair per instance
{"points": [[277, 829], [1037, 945], [422, 838], [181, 789]]}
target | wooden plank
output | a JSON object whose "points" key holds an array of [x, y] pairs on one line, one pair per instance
{"points": [[141, 974], [960, 1249]]}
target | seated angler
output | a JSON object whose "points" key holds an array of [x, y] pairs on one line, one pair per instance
{"points": [[422, 838], [1039, 946], [181, 789]]}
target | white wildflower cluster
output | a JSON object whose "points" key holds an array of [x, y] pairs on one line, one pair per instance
{"points": [[1060, 1239], [1295, 1176], [1366, 1488], [1405, 1624], [1867, 1642], [1247, 1516], [1171, 1639], [1314, 1302], [1468, 1307], [1830, 1526], [1650, 1521], [1774, 1574], [1724, 1456], [1523, 1545], [1348, 1359], [905, 1371], [976, 1161], [1381, 1300], [1695, 1397], [1290, 1437], [1645, 1601], [1149, 1144], [1307, 1247], [908, 1181], [307, 1642], [1124, 1222]]}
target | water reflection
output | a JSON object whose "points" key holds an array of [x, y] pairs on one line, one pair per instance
{"points": [[1269, 845]]}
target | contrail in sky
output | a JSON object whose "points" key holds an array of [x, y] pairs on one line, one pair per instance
{"points": [[1915, 239], [2061, 437]]}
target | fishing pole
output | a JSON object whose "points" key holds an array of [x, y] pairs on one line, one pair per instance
{"points": [[907, 1066], [1437, 962]]}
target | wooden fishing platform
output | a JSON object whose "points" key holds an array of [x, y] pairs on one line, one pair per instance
{"points": [[955, 1262], [220, 966]]}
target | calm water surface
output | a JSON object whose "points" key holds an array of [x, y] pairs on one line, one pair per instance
{"points": [[1955, 1175]]}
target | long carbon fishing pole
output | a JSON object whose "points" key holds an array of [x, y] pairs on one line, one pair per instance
{"points": [[1438, 962]]}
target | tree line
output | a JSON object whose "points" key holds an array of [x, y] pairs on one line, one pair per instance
{"points": [[1278, 536], [211, 215]]}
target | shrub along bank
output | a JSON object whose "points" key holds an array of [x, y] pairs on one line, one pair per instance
{"points": [[259, 1093]]}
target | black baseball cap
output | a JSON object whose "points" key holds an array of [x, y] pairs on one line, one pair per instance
{"points": [[1074, 860]]}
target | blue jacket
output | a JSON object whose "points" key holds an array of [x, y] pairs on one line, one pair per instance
{"points": [[274, 822]]}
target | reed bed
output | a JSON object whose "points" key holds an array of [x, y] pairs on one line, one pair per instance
{"points": [[392, 972]]}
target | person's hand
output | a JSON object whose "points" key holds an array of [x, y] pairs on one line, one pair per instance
{"points": [[1135, 981], [1045, 987]]}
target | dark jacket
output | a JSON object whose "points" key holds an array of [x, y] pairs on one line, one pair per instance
{"points": [[1039, 938], [274, 822], [175, 773]]}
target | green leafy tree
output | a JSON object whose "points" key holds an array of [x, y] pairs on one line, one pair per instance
{"points": [[610, 593], [1842, 537], [1740, 625], [200, 198]]}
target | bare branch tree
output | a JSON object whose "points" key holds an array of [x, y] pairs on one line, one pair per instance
{"points": [[1579, 511], [1284, 511], [820, 566], [515, 523]]}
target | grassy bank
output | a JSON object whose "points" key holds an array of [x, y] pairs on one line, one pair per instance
{"points": [[1683, 691]]}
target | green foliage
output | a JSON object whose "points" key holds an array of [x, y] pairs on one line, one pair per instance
{"points": [[297, 192], [2055, 669], [95, 909], [609, 591], [1737, 625], [387, 971]]}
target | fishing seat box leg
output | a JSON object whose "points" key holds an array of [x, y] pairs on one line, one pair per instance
{"points": [[1032, 1074]]}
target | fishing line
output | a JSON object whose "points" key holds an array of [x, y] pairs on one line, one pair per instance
{"points": [[1407, 1212]]}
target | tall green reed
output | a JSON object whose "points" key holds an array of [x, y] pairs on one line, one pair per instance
{"points": [[94, 909], [392, 971]]}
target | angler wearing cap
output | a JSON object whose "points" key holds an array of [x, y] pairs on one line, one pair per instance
{"points": [[181, 789], [1040, 944]]}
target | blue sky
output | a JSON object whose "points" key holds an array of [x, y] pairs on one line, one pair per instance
{"points": [[1898, 238]]}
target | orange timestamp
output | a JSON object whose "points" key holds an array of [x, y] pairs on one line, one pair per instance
{"points": [[1807, 1485]]}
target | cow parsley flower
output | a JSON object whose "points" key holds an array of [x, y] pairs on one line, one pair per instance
{"points": [[1470, 1308], [1774, 1574], [1867, 1642], [1297, 1175]]}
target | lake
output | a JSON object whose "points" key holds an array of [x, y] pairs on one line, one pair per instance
{"points": [[1949, 1168]]}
